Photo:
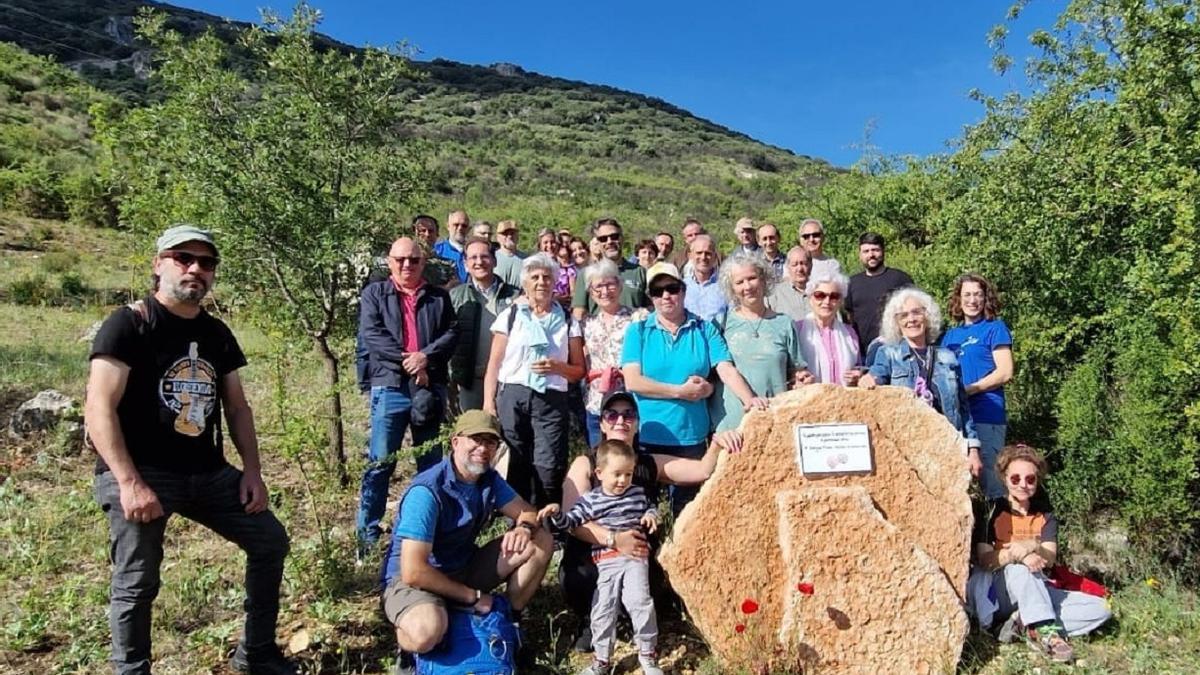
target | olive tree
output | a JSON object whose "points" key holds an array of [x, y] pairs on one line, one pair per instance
{"points": [[287, 146]]}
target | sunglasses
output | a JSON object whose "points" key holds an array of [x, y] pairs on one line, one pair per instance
{"points": [[207, 263], [410, 259], [672, 289], [508, 233], [611, 416], [812, 235], [911, 314], [1030, 481], [605, 238], [820, 296]]}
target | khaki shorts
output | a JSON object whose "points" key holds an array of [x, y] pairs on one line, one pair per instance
{"points": [[479, 573]]}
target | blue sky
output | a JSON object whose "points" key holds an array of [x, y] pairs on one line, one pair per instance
{"points": [[807, 76]]}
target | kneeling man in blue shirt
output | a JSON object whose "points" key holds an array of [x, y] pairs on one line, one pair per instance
{"points": [[432, 558]]}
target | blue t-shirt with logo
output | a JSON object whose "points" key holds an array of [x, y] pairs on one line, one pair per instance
{"points": [[973, 344]]}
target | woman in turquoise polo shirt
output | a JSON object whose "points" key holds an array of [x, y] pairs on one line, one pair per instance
{"points": [[666, 362]]}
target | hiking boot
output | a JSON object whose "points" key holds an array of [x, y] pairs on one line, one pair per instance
{"points": [[1048, 638], [406, 663], [583, 642], [649, 664], [597, 668], [268, 661]]}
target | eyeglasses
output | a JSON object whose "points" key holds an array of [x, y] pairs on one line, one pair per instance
{"points": [[820, 296], [659, 291], [508, 233], [410, 259], [812, 235], [610, 416], [486, 440], [1030, 481], [605, 238], [604, 285], [911, 314], [207, 263]]}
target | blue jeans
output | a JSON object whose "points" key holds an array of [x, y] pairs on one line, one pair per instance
{"points": [[391, 410], [593, 430], [136, 553], [991, 439], [680, 495]]}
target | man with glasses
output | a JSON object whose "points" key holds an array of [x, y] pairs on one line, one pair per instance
{"points": [[458, 226], [508, 257], [439, 271], [768, 238], [476, 304], [870, 288], [812, 238], [607, 231], [705, 297], [433, 560], [409, 331], [790, 295], [666, 361], [162, 370]]}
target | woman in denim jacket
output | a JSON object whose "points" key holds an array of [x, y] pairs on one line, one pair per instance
{"points": [[909, 358]]}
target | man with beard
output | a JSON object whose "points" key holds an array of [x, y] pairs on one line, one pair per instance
{"points": [[432, 558], [790, 295], [768, 239], [666, 245], [439, 271], [870, 288], [607, 232], [162, 370]]}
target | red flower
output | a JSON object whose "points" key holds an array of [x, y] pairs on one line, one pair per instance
{"points": [[740, 628], [805, 588], [749, 606]]}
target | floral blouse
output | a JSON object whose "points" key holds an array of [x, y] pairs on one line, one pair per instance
{"points": [[603, 338]]}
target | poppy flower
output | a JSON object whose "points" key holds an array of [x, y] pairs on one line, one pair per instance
{"points": [[805, 588], [740, 628], [749, 606]]}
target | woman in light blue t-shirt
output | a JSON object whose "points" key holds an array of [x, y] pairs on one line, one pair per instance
{"points": [[983, 344]]}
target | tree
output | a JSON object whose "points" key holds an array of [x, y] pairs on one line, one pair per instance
{"points": [[289, 150]]}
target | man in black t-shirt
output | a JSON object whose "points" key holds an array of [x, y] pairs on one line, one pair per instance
{"points": [[162, 369], [870, 289]]}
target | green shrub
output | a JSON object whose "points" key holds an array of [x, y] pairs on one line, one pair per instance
{"points": [[57, 262], [32, 290], [72, 285]]}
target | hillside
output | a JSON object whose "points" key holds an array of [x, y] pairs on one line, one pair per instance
{"points": [[505, 142]]}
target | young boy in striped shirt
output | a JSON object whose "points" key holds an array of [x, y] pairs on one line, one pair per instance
{"points": [[618, 505]]}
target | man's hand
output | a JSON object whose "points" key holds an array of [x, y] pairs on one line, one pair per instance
{"points": [[515, 540], [1018, 550], [253, 492], [547, 511], [1034, 561], [139, 503], [695, 388], [421, 378], [414, 362], [633, 544], [650, 522], [483, 605]]}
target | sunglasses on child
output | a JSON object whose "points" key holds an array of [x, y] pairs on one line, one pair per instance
{"points": [[207, 263], [1030, 481]]}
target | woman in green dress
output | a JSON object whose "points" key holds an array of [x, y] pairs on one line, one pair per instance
{"points": [[764, 344]]}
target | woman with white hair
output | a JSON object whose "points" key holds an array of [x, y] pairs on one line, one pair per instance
{"points": [[908, 357], [603, 339], [537, 349], [762, 341], [830, 347]]}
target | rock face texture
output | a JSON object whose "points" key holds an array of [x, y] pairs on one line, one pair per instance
{"points": [[847, 573]]}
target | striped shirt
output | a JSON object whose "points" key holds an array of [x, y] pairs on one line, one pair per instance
{"points": [[614, 512]]}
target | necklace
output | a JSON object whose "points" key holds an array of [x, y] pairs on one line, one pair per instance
{"points": [[757, 324]]}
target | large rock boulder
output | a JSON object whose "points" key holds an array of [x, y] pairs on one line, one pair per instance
{"points": [[846, 573]]}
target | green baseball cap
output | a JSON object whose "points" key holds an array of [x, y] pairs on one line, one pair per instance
{"points": [[182, 234], [474, 422]]}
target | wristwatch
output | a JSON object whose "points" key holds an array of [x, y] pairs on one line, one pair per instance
{"points": [[611, 542], [478, 595]]}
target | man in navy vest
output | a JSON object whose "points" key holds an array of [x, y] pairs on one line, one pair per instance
{"points": [[432, 558]]}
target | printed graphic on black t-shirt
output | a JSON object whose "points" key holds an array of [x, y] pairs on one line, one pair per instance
{"points": [[170, 411]]}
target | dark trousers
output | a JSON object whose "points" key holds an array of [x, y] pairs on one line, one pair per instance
{"points": [[535, 428], [136, 553], [680, 495]]}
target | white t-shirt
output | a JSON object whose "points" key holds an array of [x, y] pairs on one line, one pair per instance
{"points": [[518, 356]]}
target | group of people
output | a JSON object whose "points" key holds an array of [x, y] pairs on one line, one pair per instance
{"points": [[650, 361]]}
